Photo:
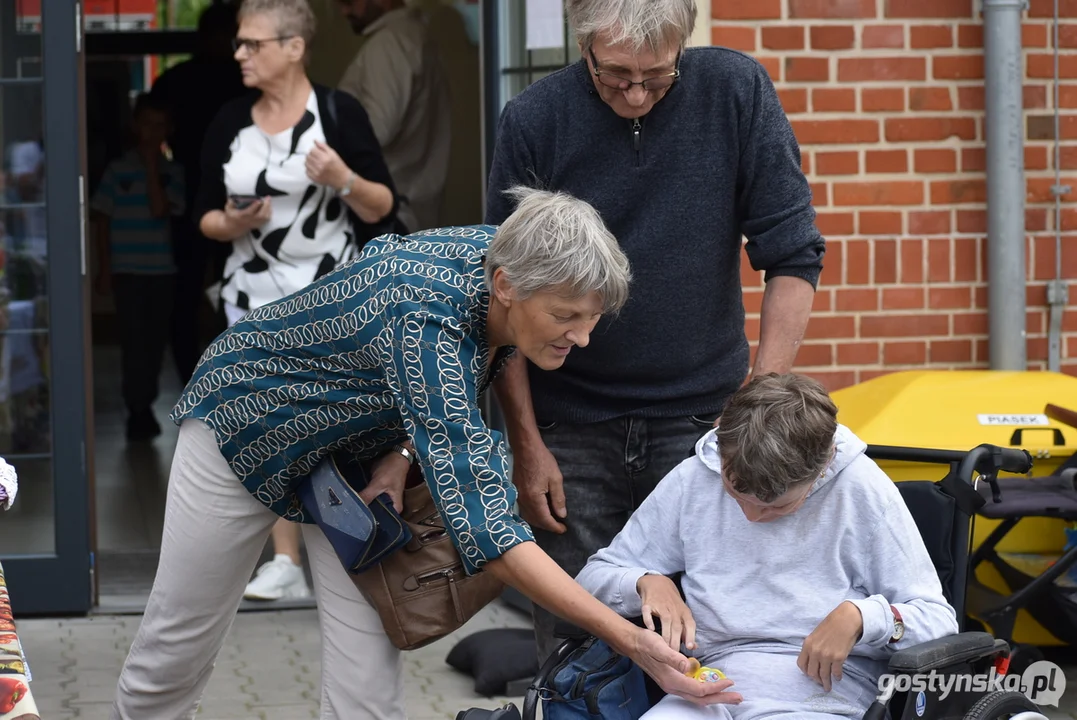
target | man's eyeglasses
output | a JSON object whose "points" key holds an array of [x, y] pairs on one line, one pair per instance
{"points": [[615, 82], [253, 46]]}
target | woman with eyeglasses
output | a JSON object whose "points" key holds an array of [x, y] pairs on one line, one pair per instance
{"points": [[295, 181]]}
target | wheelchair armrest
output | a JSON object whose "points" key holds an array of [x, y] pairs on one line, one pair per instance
{"points": [[945, 651]]}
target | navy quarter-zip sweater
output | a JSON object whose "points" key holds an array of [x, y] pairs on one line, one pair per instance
{"points": [[714, 160]]}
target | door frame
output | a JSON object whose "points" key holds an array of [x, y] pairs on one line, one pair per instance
{"points": [[61, 582]]}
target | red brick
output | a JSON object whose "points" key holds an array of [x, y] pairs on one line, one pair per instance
{"points": [[835, 380], [930, 98], [938, 261], [737, 37], [821, 301], [1035, 220], [807, 69], [885, 99], [857, 262], [833, 100], [903, 298], [773, 66], [970, 36], [751, 329], [929, 129], [965, 259], [957, 67], [859, 353], [884, 264], [1067, 35], [923, 37], [971, 221], [970, 98], [1039, 190], [1045, 8], [832, 265], [935, 160], [913, 325], [872, 69], [832, 37], [783, 37], [747, 10], [901, 192], [973, 159], [1035, 157], [821, 132], [950, 351], [1067, 96], [832, 9], [819, 194], [1034, 96], [886, 161], [930, 222], [822, 327], [970, 323], [905, 353], [882, 36], [1034, 322], [917, 9], [1068, 158], [1041, 65], [949, 298], [834, 223], [879, 223], [837, 163], [1033, 35], [912, 260], [794, 100], [856, 300], [815, 355]]}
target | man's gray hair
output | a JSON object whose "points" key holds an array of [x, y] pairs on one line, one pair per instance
{"points": [[635, 24], [554, 241], [775, 433]]}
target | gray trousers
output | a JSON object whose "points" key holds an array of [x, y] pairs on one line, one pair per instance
{"points": [[214, 532], [609, 469]]}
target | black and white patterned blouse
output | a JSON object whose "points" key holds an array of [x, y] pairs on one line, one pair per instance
{"points": [[311, 230]]}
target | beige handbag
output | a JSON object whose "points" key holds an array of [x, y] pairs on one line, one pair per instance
{"points": [[421, 591]]}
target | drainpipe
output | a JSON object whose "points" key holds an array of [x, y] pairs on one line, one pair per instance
{"points": [[1004, 123], [1057, 292]]}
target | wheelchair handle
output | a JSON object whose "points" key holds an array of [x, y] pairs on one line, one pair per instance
{"points": [[990, 460]]}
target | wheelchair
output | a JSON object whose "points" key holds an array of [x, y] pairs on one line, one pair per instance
{"points": [[943, 511]]}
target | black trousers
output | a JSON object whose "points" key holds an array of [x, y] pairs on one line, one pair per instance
{"points": [[144, 305]]}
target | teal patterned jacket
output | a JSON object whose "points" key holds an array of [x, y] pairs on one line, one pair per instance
{"points": [[389, 346]]}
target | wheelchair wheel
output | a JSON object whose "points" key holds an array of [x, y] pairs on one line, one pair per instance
{"points": [[1000, 704]]}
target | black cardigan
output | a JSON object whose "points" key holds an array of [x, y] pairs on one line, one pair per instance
{"points": [[347, 130]]}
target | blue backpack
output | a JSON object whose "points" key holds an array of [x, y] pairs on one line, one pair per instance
{"points": [[592, 681]]}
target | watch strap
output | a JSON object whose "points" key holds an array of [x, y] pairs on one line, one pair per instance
{"points": [[899, 625], [411, 457]]}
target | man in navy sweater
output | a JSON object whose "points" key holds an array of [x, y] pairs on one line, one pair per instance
{"points": [[684, 152]]}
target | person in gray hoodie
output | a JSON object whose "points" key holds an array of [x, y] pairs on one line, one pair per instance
{"points": [[803, 570]]}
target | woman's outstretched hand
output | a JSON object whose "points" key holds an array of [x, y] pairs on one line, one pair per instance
{"points": [[668, 668]]}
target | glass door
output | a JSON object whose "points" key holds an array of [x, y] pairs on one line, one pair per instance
{"points": [[45, 535]]}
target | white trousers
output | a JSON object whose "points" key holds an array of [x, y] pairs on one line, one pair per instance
{"points": [[214, 532]]}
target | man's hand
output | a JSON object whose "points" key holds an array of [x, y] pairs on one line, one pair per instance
{"points": [[660, 598], [325, 167], [826, 649], [537, 477], [668, 668], [388, 474]]}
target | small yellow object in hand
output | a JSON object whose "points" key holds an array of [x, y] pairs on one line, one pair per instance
{"points": [[703, 674]]}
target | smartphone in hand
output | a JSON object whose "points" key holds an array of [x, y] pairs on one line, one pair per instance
{"points": [[242, 202]]}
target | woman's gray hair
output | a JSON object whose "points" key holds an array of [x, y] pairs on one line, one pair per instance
{"points": [[775, 433], [554, 241], [634, 24], [294, 17]]}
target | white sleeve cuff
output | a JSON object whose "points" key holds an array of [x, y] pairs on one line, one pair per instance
{"points": [[631, 602], [878, 621]]}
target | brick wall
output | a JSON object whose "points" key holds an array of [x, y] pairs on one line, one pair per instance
{"points": [[886, 98]]}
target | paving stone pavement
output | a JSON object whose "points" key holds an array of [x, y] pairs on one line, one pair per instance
{"points": [[268, 668]]}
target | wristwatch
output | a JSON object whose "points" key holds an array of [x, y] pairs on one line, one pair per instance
{"points": [[411, 457], [347, 189], [899, 626]]}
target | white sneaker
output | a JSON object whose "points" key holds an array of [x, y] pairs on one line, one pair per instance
{"points": [[278, 579]]}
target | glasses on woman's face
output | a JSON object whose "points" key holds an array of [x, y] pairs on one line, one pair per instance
{"points": [[616, 82], [252, 46]]}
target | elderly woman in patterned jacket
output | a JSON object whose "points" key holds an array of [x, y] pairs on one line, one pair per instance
{"points": [[393, 349], [295, 182]]}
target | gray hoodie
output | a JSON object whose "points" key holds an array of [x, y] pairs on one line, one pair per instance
{"points": [[757, 590]]}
